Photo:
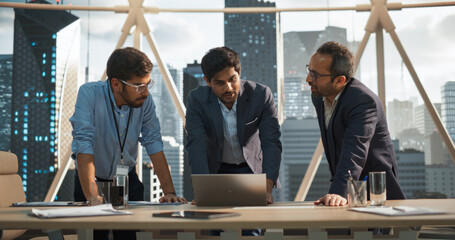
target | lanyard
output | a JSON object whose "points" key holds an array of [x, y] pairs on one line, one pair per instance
{"points": [[118, 132]]}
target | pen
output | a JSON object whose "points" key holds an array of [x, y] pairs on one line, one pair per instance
{"points": [[365, 178], [399, 209], [356, 191], [99, 190]]}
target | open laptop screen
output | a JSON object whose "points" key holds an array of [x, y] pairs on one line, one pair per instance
{"points": [[229, 189]]}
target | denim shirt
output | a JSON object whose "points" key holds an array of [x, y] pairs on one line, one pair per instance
{"points": [[95, 133]]}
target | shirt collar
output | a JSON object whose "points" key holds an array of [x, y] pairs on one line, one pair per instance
{"points": [[111, 97], [336, 98], [225, 109]]}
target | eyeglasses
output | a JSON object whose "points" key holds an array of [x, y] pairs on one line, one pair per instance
{"points": [[141, 87], [314, 75]]}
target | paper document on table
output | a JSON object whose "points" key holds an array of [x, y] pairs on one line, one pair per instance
{"points": [[48, 204], [273, 207], [100, 210], [398, 210], [147, 203]]}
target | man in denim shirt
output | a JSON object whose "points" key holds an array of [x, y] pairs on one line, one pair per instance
{"points": [[110, 119]]}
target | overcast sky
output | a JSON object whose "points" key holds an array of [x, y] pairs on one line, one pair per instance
{"points": [[426, 33]]}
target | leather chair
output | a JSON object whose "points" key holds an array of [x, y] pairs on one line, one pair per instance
{"points": [[10, 183]]}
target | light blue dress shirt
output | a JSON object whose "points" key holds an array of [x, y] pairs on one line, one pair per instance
{"points": [[94, 130], [232, 152]]}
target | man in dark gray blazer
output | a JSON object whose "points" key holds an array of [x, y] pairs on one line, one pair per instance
{"points": [[352, 122], [232, 124]]}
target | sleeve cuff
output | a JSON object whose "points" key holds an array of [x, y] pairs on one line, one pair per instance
{"points": [[154, 147], [81, 148]]}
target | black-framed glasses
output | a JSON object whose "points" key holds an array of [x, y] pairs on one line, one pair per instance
{"points": [[314, 75], [141, 87]]}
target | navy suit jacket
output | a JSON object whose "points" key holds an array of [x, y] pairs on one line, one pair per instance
{"points": [[258, 130], [358, 139]]}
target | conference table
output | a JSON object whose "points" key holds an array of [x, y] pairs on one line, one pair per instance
{"points": [[281, 220]]}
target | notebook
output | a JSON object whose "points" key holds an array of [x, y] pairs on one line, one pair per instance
{"points": [[229, 189]]}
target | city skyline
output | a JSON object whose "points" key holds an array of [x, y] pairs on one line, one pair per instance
{"points": [[185, 37], [404, 96]]}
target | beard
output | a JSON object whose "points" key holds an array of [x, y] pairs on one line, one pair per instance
{"points": [[136, 103]]}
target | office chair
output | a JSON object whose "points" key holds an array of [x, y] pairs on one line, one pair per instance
{"points": [[10, 183]]}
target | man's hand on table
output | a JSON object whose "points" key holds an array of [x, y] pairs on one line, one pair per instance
{"points": [[332, 200]]}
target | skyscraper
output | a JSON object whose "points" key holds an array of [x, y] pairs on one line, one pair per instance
{"points": [[257, 38], [448, 107], [45, 67], [300, 138], [440, 179], [424, 123], [171, 127], [170, 121], [192, 78], [411, 171], [399, 116], [6, 78]]}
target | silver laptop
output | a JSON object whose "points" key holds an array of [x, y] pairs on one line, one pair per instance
{"points": [[229, 189]]}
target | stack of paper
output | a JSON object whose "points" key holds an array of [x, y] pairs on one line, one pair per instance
{"points": [[398, 210], [100, 210]]}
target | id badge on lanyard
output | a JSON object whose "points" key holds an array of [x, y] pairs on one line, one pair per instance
{"points": [[122, 170]]}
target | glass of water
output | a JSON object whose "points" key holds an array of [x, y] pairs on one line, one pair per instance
{"points": [[378, 190]]}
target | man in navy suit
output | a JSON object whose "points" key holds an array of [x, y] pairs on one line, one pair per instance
{"points": [[232, 124], [352, 122]]}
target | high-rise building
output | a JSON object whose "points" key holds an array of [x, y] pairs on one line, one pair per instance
{"points": [[297, 99], [440, 179], [436, 151], [422, 119], [448, 107], [411, 171], [174, 154], [171, 130], [399, 117], [257, 38], [300, 138], [192, 78], [424, 123], [152, 186], [411, 138], [6, 78], [45, 67], [170, 122]]}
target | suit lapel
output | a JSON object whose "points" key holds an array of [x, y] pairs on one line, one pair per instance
{"points": [[242, 114], [330, 134], [217, 121]]}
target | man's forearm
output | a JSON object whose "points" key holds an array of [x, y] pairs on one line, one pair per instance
{"points": [[86, 173], [270, 185], [162, 171]]}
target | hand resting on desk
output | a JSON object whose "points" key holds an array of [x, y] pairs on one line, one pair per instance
{"points": [[332, 200], [171, 197]]}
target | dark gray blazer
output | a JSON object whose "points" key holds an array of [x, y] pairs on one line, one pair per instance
{"points": [[258, 130], [358, 139]]}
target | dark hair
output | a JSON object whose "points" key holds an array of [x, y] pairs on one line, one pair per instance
{"points": [[342, 59], [124, 63], [218, 59]]}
